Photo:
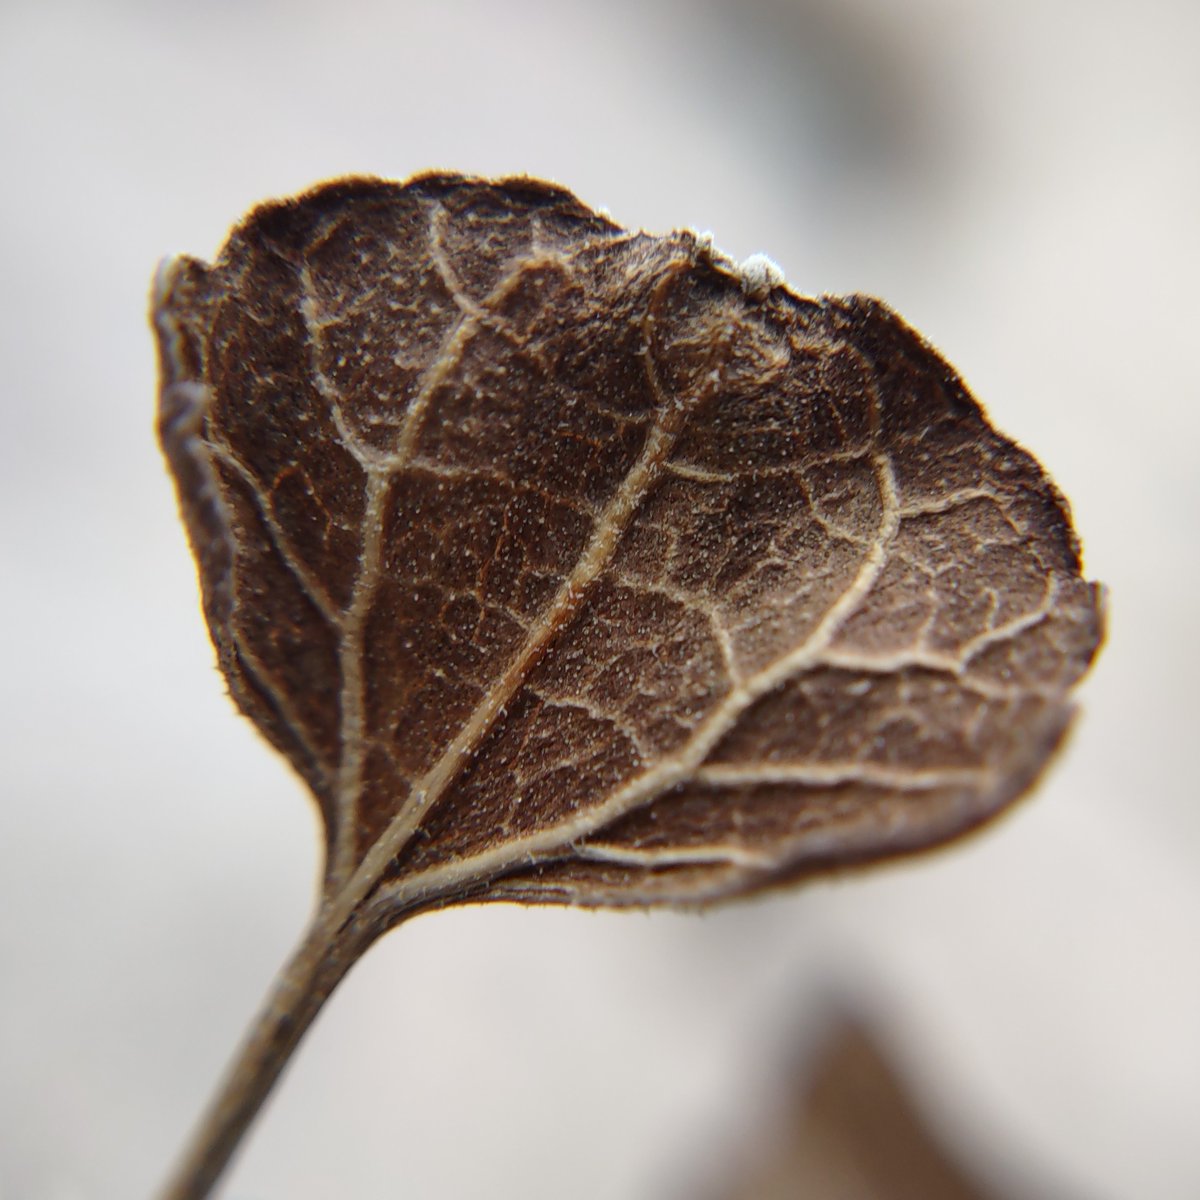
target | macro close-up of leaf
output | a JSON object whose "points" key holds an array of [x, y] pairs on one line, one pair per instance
{"points": [[573, 565], [599, 601]]}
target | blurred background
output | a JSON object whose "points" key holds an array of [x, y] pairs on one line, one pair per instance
{"points": [[1021, 181]]}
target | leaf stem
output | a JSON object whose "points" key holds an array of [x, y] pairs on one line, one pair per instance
{"points": [[300, 990]]}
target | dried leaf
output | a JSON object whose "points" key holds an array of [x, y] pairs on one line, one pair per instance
{"points": [[574, 565], [578, 565]]}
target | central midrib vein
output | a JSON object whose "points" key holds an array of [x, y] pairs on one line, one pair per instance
{"points": [[610, 526], [442, 880]]}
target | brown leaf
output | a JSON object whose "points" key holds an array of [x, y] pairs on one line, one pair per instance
{"points": [[578, 565]]}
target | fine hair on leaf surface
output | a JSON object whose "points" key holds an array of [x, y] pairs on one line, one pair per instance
{"points": [[568, 564]]}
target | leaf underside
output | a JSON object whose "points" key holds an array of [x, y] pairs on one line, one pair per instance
{"points": [[570, 564]]}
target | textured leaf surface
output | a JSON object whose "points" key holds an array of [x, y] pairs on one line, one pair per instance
{"points": [[572, 564]]}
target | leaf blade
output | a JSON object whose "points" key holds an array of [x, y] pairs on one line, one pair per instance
{"points": [[567, 564]]}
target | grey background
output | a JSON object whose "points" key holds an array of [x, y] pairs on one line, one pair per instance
{"points": [[1021, 180]]}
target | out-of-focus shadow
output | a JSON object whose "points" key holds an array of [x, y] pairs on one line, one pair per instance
{"points": [[854, 1131], [856, 87]]}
